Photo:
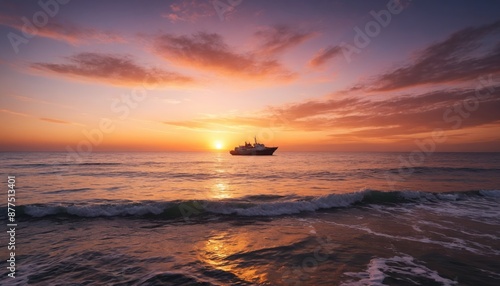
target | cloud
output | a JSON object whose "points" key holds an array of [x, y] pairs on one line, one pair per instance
{"points": [[51, 120], [39, 101], [209, 52], [369, 119], [315, 108], [464, 55], [189, 11], [279, 38], [217, 123], [66, 31], [172, 101], [112, 69], [14, 113], [402, 115], [324, 55], [173, 17]]}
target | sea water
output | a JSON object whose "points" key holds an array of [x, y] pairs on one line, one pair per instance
{"points": [[287, 219]]}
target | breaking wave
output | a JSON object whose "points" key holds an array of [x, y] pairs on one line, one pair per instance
{"points": [[257, 206]]}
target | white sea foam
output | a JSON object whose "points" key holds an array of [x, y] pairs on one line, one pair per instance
{"points": [[416, 228], [448, 197], [404, 267], [455, 243], [292, 207], [480, 210]]}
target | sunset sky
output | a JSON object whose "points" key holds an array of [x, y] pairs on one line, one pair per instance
{"points": [[192, 75]]}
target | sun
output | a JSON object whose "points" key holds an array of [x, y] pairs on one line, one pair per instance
{"points": [[218, 145]]}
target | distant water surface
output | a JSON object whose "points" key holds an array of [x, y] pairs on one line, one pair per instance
{"points": [[288, 219]]}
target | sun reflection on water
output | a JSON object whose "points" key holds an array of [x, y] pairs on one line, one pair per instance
{"points": [[221, 251], [220, 190]]}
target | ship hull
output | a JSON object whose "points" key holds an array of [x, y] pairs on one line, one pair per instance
{"points": [[265, 152]]}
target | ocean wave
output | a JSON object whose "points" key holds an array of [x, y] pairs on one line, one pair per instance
{"points": [[65, 191], [490, 193], [56, 164], [257, 206], [405, 269], [440, 170]]}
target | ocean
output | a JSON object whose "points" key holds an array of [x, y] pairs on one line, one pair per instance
{"points": [[215, 219]]}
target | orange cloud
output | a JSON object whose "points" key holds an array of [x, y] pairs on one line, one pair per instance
{"points": [[208, 51], [14, 113], [227, 123], [54, 120], [112, 69], [66, 32], [324, 55]]}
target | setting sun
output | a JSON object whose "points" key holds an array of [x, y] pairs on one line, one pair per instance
{"points": [[218, 145]]}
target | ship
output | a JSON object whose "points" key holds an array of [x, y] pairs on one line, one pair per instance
{"points": [[253, 149]]}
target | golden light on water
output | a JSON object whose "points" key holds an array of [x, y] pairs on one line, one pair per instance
{"points": [[220, 190], [217, 252]]}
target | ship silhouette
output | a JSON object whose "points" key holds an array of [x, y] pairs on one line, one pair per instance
{"points": [[253, 149]]}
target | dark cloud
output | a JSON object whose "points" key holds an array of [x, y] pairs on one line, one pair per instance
{"points": [[113, 69], [280, 38], [189, 11], [66, 31], [465, 55], [324, 55], [208, 51], [403, 115]]}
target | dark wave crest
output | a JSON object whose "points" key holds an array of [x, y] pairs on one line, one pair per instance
{"points": [[251, 206]]}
